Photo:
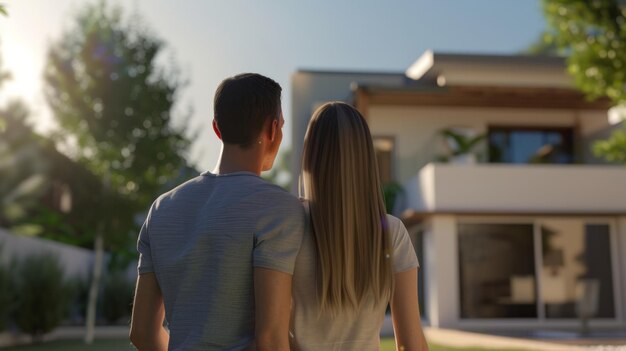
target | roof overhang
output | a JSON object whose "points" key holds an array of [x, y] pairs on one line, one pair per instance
{"points": [[501, 70]]}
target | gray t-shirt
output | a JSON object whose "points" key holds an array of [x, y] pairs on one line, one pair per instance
{"points": [[311, 331], [202, 241]]}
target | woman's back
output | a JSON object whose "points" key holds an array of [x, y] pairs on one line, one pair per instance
{"points": [[312, 330], [355, 258]]}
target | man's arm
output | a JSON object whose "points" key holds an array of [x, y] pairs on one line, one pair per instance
{"points": [[272, 292], [146, 330], [405, 313]]}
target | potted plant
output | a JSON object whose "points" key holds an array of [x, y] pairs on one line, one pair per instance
{"points": [[461, 145]]}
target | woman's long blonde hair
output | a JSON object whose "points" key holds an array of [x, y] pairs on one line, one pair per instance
{"points": [[341, 183]]}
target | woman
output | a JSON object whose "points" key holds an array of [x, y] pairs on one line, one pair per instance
{"points": [[355, 259]]}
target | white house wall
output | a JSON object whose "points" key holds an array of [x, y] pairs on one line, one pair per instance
{"points": [[310, 89], [441, 271], [499, 188]]}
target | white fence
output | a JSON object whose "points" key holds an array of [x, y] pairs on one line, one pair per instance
{"points": [[75, 261]]}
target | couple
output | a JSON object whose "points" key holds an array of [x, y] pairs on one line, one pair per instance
{"points": [[235, 263]]}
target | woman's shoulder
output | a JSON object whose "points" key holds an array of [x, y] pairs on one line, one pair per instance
{"points": [[403, 251], [398, 234], [395, 225]]}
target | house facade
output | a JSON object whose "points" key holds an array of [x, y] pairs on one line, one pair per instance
{"points": [[516, 223]]}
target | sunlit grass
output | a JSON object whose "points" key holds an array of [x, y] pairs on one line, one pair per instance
{"points": [[122, 344], [388, 344]]}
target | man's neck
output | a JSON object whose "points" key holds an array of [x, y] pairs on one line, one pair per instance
{"points": [[236, 159]]}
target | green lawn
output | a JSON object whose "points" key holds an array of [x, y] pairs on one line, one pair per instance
{"points": [[387, 344], [77, 345]]}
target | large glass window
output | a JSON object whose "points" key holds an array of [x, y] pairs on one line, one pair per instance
{"points": [[497, 271], [576, 274], [499, 276], [531, 145], [417, 239]]}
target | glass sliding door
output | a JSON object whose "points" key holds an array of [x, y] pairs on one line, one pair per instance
{"points": [[417, 238], [576, 272], [497, 270], [549, 269]]}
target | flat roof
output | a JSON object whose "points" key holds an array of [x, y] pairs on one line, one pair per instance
{"points": [[350, 72], [431, 62]]}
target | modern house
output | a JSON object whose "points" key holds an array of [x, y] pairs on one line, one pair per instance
{"points": [[525, 230]]}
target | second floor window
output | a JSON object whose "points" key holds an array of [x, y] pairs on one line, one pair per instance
{"points": [[531, 145]]}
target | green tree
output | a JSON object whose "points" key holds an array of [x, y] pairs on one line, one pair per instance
{"points": [[280, 173], [116, 104], [22, 167], [593, 34]]}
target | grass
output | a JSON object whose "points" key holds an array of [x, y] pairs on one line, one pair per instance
{"points": [[77, 345], [387, 344]]}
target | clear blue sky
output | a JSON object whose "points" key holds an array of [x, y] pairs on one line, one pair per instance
{"points": [[214, 39]]}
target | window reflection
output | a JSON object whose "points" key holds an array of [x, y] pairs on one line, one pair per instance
{"points": [[531, 145], [576, 268], [497, 266]]}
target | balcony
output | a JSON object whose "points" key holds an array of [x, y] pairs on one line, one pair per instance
{"points": [[523, 189]]}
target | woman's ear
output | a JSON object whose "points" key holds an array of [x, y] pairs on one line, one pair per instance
{"points": [[216, 129]]}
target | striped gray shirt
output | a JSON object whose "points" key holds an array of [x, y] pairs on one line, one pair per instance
{"points": [[202, 241]]}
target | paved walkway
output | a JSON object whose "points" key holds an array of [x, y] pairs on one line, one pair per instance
{"points": [[456, 338]]}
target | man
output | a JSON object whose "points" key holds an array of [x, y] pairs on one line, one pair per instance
{"points": [[217, 253]]}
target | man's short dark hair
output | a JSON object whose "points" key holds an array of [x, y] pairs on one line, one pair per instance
{"points": [[243, 104]]}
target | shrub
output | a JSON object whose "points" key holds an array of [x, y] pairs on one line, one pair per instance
{"points": [[79, 287], [117, 297], [6, 296], [43, 294]]}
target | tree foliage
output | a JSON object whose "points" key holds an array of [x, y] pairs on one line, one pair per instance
{"points": [[115, 104], [115, 101], [280, 173], [614, 148], [593, 34], [22, 168]]}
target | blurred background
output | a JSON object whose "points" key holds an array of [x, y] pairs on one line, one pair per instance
{"points": [[497, 125]]}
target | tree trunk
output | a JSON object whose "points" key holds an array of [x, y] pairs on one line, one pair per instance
{"points": [[94, 287]]}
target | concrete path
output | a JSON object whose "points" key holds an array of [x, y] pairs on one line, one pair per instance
{"points": [[456, 338]]}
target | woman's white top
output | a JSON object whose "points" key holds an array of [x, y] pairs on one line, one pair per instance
{"points": [[310, 331]]}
